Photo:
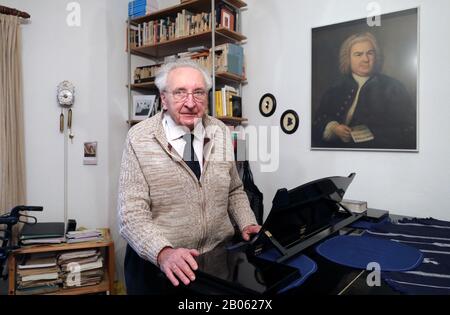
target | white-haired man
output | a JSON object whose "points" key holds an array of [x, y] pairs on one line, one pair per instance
{"points": [[179, 190]]}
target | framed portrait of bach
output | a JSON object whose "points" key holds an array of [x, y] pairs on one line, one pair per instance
{"points": [[364, 84]]}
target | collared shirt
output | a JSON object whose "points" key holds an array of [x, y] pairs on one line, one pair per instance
{"points": [[174, 134]]}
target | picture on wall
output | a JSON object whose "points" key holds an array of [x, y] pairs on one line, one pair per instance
{"points": [[364, 84], [143, 106], [90, 153]]}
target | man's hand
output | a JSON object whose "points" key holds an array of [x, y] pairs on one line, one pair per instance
{"points": [[178, 264], [250, 230], [343, 132]]}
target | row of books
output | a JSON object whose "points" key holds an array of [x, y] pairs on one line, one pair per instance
{"points": [[228, 102], [229, 58], [169, 28], [53, 233], [145, 73], [48, 272]]}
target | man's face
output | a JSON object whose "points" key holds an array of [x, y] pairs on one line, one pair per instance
{"points": [[187, 111], [362, 58]]}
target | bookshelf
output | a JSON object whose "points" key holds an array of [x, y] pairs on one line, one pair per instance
{"points": [[106, 245], [155, 50]]}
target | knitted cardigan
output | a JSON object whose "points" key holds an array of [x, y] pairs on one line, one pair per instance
{"points": [[161, 202]]}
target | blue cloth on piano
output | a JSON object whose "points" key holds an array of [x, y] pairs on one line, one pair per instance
{"points": [[365, 225], [432, 238], [303, 263], [359, 252]]}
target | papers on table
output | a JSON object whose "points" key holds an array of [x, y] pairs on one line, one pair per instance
{"points": [[84, 236]]}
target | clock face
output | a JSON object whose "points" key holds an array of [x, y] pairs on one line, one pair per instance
{"points": [[267, 105], [66, 94], [65, 97], [289, 121]]}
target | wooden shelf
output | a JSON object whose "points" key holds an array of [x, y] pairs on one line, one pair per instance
{"points": [[193, 6], [232, 120], [220, 76], [103, 286], [143, 86], [226, 120], [31, 249], [227, 76], [173, 46], [106, 285]]}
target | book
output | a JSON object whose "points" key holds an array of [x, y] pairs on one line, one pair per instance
{"points": [[41, 260], [44, 240], [37, 271], [42, 230], [38, 290], [78, 254], [236, 105], [43, 276]]}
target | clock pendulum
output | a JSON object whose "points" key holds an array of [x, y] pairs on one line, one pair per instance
{"points": [[61, 121], [69, 124]]}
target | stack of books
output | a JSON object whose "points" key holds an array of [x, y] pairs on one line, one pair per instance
{"points": [[138, 8], [84, 236], [38, 274], [42, 233], [81, 268]]}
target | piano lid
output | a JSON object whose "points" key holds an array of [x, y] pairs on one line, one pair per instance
{"points": [[305, 210]]}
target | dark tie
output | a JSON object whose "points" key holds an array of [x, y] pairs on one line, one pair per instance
{"points": [[189, 155]]}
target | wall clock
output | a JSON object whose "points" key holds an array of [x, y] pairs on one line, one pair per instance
{"points": [[289, 121], [65, 96], [267, 105]]}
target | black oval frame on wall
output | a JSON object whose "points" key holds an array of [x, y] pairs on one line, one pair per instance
{"points": [[261, 104], [296, 121]]}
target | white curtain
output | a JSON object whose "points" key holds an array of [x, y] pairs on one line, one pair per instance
{"points": [[12, 156]]}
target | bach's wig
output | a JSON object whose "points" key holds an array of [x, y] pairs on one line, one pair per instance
{"points": [[161, 77], [344, 55]]}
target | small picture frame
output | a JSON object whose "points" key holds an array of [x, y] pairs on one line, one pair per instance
{"points": [[90, 153], [227, 19], [143, 106]]}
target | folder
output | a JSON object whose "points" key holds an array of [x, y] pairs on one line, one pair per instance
{"points": [[42, 230]]}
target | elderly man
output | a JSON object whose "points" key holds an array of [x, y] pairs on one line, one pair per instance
{"points": [[179, 191], [365, 109]]}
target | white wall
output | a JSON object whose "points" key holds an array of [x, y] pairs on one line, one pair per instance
{"points": [[92, 57], [278, 52], [278, 56], [116, 76], [53, 52]]}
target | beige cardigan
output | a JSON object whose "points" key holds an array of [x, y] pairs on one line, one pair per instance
{"points": [[161, 202]]}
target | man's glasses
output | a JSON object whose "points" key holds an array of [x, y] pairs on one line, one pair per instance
{"points": [[181, 95]]}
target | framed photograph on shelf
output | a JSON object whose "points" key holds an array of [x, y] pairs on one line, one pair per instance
{"points": [[227, 18], [143, 106], [364, 84]]}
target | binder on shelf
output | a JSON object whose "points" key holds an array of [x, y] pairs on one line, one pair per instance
{"points": [[42, 230]]}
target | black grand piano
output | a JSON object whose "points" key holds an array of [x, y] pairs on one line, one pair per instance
{"points": [[299, 218]]}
